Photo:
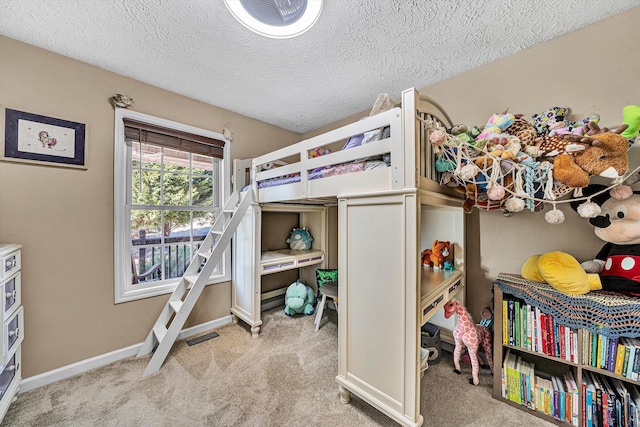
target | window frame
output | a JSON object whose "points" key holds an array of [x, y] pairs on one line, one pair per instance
{"points": [[124, 290]]}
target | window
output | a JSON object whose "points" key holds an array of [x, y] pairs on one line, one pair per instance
{"points": [[170, 182]]}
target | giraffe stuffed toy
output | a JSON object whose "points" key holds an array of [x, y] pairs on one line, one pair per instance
{"points": [[470, 335]]}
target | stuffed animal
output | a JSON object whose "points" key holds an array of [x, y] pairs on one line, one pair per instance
{"points": [[550, 119], [468, 334], [300, 239], [495, 125], [606, 157], [631, 117], [435, 256], [299, 298], [525, 132], [616, 267]]}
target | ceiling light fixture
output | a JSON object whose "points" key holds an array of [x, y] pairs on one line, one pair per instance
{"points": [[277, 19]]}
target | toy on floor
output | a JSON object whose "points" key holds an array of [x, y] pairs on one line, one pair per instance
{"points": [[470, 335], [299, 298], [436, 256]]}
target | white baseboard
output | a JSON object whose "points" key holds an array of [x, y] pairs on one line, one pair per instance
{"points": [[58, 374]]}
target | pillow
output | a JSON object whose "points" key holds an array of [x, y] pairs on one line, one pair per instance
{"points": [[354, 141], [326, 275]]}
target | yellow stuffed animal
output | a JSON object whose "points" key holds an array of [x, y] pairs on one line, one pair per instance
{"points": [[562, 271]]}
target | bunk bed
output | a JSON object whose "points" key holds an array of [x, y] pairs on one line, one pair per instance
{"points": [[390, 207]]}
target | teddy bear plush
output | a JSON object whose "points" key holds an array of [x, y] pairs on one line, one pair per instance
{"points": [[606, 157], [299, 298], [436, 256], [616, 267]]}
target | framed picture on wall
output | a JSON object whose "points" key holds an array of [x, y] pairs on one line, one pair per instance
{"points": [[32, 138]]}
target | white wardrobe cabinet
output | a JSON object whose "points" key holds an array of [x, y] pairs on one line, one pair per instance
{"points": [[12, 324], [386, 295]]}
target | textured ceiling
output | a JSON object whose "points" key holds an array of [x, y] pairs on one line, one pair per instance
{"points": [[356, 50]]}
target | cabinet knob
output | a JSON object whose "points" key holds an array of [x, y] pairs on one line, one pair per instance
{"points": [[15, 332], [12, 294]]}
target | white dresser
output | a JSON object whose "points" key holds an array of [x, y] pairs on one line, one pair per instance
{"points": [[12, 324]]}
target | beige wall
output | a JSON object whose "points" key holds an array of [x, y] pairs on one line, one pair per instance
{"points": [[64, 217]]}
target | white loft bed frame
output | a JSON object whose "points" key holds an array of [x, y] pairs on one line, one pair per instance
{"points": [[411, 157], [405, 207]]}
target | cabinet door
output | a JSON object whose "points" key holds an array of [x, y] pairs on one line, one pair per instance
{"points": [[378, 310]]}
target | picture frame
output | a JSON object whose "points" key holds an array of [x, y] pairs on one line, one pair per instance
{"points": [[37, 139]]}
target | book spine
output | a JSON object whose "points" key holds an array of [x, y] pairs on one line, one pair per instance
{"points": [[505, 322], [632, 356], [511, 322], [619, 359], [551, 343], [599, 351], [611, 355], [636, 362], [561, 340], [625, 362], [517, 314], [544, 333]]}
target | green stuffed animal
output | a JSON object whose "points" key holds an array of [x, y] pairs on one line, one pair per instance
{"points": [[631, 116], [299, 298]]}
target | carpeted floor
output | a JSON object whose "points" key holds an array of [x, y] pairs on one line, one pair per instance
{"points": [[286, 377]]}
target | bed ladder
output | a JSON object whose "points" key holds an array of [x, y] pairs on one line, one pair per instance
{"points": [[183, 299]]}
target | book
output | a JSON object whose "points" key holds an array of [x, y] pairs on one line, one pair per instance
{"points": [[636, 362], [599, 351], [572, 388], [517, 315], [597, 390], [505, 322], [529, 328], [611, 354], [623, 395], [625, 360], [594, 350], [587, 419], [612, 401], [551, 340], [619, 358], [632, 354], [603, 351], [562, 342], [511, 307], [545, 333]]}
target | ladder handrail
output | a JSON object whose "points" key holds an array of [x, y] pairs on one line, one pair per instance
{"points": [[181, 302]]}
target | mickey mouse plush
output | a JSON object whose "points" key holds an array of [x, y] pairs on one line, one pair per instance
{"points": [[616, 267]]}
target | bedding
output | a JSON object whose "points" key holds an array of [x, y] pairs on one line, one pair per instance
{"points": [[358, 165], [327, 171]]}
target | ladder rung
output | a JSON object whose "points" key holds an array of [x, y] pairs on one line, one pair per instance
{"points": [[175, 305], [220, 233], [228, 210], [192, 278], [159, 331]]}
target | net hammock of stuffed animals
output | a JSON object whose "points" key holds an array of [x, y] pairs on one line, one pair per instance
{"points": [[512, 164]]}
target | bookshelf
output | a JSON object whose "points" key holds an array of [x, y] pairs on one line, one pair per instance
{"points": [[562, 373]]}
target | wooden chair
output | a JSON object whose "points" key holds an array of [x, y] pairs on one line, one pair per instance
{"points": [[330, 290], [135, 277]]}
